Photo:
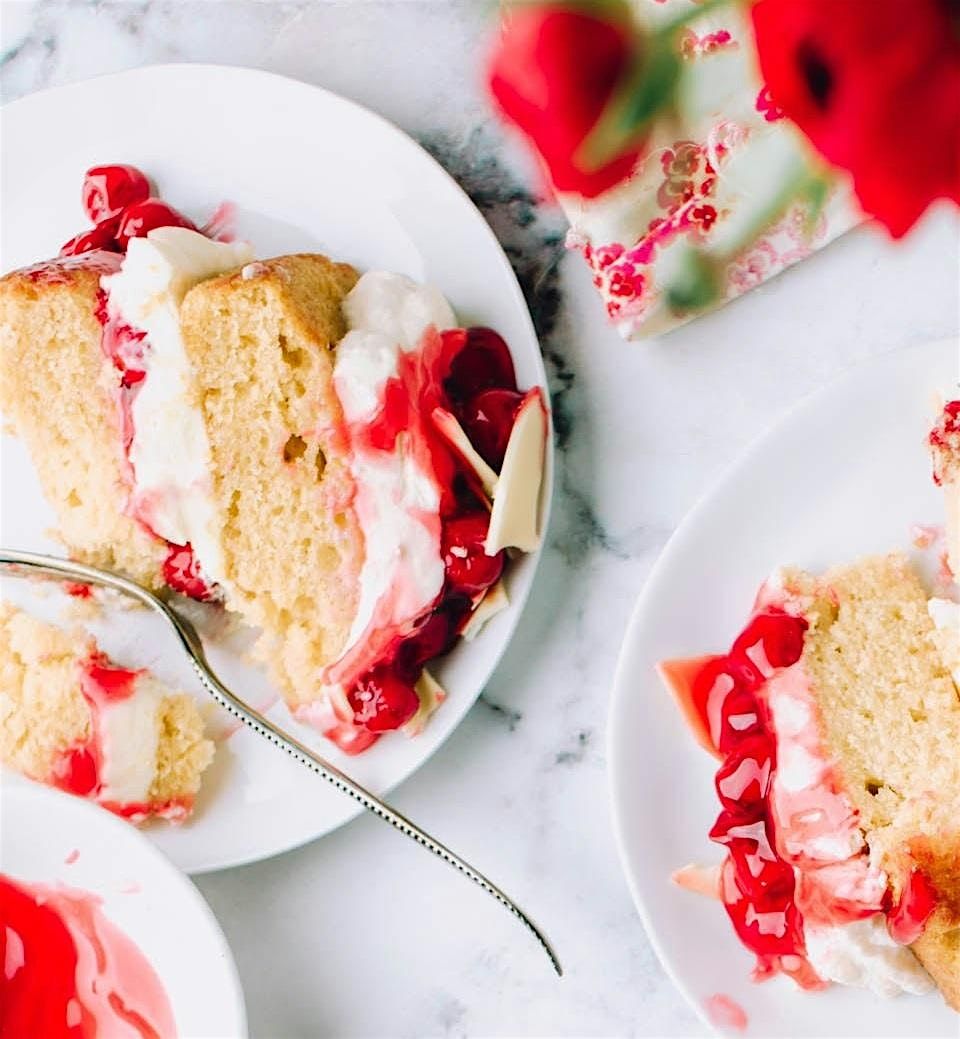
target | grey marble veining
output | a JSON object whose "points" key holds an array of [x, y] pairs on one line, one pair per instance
{"points": [[358, 935]]}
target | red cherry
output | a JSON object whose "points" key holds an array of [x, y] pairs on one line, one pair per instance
{"points": [[101, 237], [109, 190], [141, 218], [181, 571], [744, 779], [767, 927], [469, 569], [483, 362], [488, 421], [723, 697], [382, 701], [435, 636], [771, 640]]}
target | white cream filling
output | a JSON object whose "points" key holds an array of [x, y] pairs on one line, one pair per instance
{"points": [[170, 453], [129, 736], [386, 314], [863, 954]]}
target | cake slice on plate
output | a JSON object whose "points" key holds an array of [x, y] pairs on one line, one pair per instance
{"points": [[72, 719], [326, 454], [837, 723]]}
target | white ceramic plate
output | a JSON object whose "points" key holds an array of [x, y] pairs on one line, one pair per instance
{"points": [[51, 838], [307, 171], [843, 475]]}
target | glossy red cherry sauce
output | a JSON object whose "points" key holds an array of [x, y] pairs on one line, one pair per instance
{"points": [[70, 973], [795, 853], [944, 442], [449, 371]]}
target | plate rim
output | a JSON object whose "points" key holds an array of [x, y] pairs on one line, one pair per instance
{"points": [[30, 791], [646, 601], [402, 139]]}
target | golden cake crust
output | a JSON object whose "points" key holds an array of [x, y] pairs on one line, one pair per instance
{"points": [[56, 392], [291, 544]]}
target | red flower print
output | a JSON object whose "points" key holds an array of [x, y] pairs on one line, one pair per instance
{"points": [[875, 86], [704, 215], [607, 254], [555, 69], [679, 164]]}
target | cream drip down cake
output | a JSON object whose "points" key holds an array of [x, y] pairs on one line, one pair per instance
{"points": [[324, 452], [74, 720], [837, 725]]}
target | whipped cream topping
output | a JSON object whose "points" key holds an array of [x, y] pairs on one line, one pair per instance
{"points": [[129, 736], [398, 499], [168, 451], [863, 954], [124, 730]]}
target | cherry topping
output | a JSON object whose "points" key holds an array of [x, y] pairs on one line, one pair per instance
{"points": [[488, 421], [469, 569], [101, 237], [745, 777], [109, 190], [141, 218], [723, 696], [482, 362], [181, 571], [382, 700], [434, 638], [771, 640], [770, 926]]}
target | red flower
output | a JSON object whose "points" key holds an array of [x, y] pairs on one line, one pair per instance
{"points": [[553, 72], [876, 87]]}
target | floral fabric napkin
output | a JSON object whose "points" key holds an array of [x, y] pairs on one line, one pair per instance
{"points": [[709, 177]]}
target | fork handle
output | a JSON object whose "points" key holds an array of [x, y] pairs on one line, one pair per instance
{"points": [[191, 642]]}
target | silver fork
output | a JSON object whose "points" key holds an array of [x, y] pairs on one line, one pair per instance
{"points": [[29, 563]]}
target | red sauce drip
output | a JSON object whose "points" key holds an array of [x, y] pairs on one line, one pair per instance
{"points": [[454, 370], [182, 572], [918, 900], [77, 772], [78, 590], [69, 973], [944, 441], [757, 884]]}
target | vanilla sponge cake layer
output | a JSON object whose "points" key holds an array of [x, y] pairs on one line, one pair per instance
{"points": [[261, 343], [890, 715], [43, 711], [56, 392]]}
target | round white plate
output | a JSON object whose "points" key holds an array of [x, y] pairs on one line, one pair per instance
{"points": [[845, 474], [52, 838], [307, 171]]}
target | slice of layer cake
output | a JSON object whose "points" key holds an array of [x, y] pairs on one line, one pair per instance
{"points": [[327, 455], [72, 719], [838, 726], [57, 394]]}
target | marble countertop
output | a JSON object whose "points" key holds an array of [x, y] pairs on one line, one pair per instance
{"points": [[360, 934]]}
